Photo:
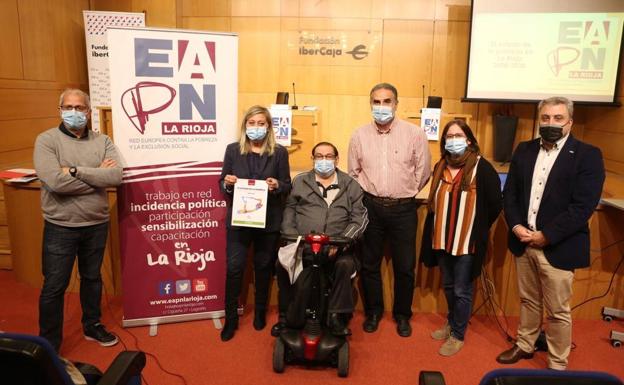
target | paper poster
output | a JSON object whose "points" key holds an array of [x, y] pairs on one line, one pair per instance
{"points": [[249, 204], [430, 120]]}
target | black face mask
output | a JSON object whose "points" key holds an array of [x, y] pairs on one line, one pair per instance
{"points": [[551, 134]]}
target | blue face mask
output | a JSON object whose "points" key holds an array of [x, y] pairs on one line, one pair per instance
{"points": [[256, 133], [75, 120], [324, 167], [456, 146], [382, 114]]}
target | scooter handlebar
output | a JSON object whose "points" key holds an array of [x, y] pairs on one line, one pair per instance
{"points": [[335, 240]]}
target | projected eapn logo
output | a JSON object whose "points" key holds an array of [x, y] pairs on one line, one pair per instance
{"points": [[583, 46], [194, 62]]}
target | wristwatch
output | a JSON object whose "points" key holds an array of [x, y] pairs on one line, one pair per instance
{"points": [[72, 171]]}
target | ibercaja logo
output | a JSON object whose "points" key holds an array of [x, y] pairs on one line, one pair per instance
{"points": [[581, 47], [193, 63]]}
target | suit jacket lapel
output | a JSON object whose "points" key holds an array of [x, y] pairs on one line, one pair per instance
{"points": [[565, 157], [533, 151]]}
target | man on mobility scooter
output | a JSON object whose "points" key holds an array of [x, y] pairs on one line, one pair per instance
{"points": [[325, 200]]}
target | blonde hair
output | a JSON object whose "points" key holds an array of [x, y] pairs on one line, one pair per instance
{"points": [[269, 144]]}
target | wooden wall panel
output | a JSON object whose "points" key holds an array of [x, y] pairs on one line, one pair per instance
{"points": [[222, 24], [335, 8], [404, 9], [609, 142], [259, 51], [202, 8], [256, 8], [406, 45], [24, 130], [11, 65], [158, 13], [20, 104], [450, 59], [38, 40], [458, 10]]}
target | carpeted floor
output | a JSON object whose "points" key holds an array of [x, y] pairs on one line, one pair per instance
{"points": [[194, 352]]}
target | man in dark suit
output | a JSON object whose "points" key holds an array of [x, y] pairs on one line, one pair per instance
{"points": [[553, 186]]}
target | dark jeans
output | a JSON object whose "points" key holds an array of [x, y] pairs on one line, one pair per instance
{"points": [[458, 289], [265, 253], [341, 297], [61, 246], [397, 225]]}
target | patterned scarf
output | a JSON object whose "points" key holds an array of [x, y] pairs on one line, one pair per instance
{"points": [[467, 161]]}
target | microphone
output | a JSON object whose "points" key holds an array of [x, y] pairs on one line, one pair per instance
{"points": [[423, 92], [294, 106]]}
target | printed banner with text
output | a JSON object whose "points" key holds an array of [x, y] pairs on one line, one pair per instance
{"points": [[96, 24], [174, 103]]}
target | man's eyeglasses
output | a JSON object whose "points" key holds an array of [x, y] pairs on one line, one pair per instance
{"points": [[321, 157], [77, 108]]}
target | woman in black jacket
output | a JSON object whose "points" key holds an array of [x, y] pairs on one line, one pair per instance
{"points": [[255, 156], [464, 200]]}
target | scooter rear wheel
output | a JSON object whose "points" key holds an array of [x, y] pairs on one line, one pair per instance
{"points": [[278, 356], [343, 360]]}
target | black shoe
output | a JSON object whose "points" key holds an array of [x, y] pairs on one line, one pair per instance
{"points": [[513, 355], [259, 321], [337, 326], [371, 323], [99, 334], [403, 327], [278, 327], [228, 330]]}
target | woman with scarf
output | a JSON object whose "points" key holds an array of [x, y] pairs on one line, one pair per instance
{"points": [[464, 200]]}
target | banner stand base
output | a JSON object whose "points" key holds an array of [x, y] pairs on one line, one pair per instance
{"points": [[153, 330], [217, 323]]}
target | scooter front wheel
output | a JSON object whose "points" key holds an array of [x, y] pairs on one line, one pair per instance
{"points": [[278, 356], [343, 360]]}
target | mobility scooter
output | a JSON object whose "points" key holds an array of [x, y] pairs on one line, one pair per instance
{"points": [[306, 339]]}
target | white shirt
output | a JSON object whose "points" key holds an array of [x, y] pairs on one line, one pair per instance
{"points": [[543, 165]]}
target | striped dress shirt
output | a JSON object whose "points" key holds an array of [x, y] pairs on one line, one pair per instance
{"points": [[393, 164]]}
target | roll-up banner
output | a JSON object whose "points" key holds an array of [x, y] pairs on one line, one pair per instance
{"points": [[174, 104], [96, 24]]}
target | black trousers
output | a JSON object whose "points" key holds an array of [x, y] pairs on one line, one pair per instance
{"points": [[396, 224], [61, 246], [341, 297], [265, 254]]}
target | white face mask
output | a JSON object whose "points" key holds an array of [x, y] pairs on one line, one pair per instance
{"points": [[382, 114], [74, 119], [456, 146], [256, 133]]}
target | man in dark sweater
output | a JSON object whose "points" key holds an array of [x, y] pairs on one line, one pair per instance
{"points": [[75, 166]]}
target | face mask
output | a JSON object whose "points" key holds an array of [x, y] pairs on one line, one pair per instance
{"points": [[324, 167], [456, 146], [382, 114], [75, 120], [551, 134], [255, 133]]}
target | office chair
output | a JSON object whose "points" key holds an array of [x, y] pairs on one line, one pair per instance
{"points": [[281, 98], [31, 360], [434, 102], [548, 377], [530, 377]]}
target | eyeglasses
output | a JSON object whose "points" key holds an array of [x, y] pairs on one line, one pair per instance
{"points": [[77, 108], [452, 136], [321, 157]]}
